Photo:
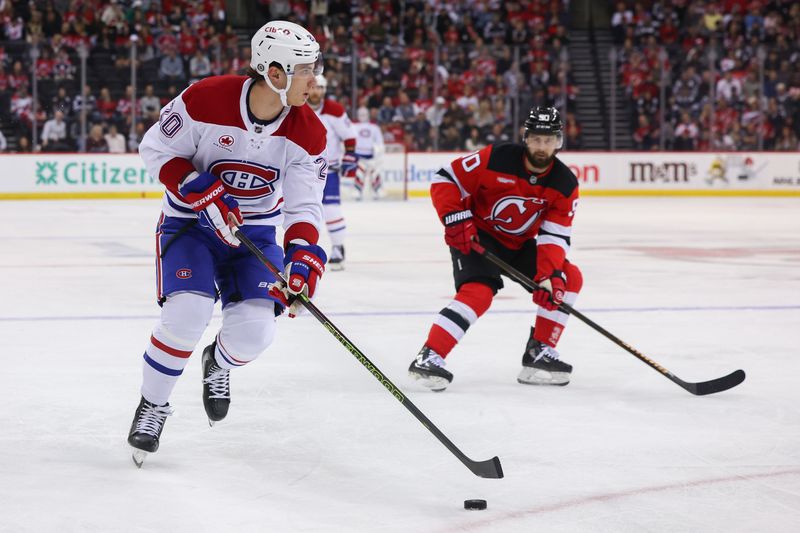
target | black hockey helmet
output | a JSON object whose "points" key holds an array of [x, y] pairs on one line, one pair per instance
{"points": [[544, 120]]}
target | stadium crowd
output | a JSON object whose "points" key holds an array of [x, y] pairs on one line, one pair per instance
{"points": [[405, 53], [731, 70], [433, 75]]}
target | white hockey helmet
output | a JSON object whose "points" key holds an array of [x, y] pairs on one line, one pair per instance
{"points": [[288, 45]]}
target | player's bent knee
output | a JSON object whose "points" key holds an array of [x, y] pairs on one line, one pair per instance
{"points": [[476, 295], [574, 277], [184, 317], [248, 328]]}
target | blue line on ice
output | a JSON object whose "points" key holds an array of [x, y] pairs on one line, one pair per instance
{"points": [[334, 314]]}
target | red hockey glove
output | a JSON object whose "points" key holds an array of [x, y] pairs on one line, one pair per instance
{"points": [[460, 230], [216, 209], [305, 264], [551, 290]]}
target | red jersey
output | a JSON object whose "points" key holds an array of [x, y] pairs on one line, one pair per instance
{"points": [[509, 202]]}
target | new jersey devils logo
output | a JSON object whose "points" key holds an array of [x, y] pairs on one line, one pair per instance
{"points": [[515, 215]]}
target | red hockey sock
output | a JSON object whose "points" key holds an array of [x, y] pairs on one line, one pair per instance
{"points": [[471, 301]]}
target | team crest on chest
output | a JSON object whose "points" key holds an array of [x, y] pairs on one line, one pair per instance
{"points": [[244, 179], [515, 214]]}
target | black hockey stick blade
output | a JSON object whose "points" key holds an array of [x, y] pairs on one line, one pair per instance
{"points": [[487, 469], [699, 389], [491, 469], [715, 385]]}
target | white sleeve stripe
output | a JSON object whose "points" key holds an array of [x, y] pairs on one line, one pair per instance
{"points": [[552, 227], [552, 239], [449, 170]]}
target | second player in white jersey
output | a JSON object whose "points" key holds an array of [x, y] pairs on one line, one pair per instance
{"points": [[369, 149], [342, 161]]}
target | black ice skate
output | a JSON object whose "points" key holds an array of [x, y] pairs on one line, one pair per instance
{"points": [[428, 367], [541, 366], [336, 261], [146, 429], [216, 387]]}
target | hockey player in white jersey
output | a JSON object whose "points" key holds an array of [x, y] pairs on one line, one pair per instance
{"points": [[342, 162], [232, 151], [369, 149]]}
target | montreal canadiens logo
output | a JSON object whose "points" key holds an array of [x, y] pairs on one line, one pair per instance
{"points": [[515, 215], [184, 273], [226, 140], [245, 180]]}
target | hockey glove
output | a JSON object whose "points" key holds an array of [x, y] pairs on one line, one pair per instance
{"points": [[349, 165], [305, 264], [460, 230], [551, 290], [216, 209]]}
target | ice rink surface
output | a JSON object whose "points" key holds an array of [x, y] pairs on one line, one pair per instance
{"points": [[314, 443]]}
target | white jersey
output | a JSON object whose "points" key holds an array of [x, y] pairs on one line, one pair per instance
{"points": [[341, 135], [369, 139], [275, 171]]}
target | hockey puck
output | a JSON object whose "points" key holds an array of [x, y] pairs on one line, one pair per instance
{"points": [[475, 505]]}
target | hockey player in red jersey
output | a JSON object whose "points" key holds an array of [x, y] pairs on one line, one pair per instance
{"points": [[232, 151], [518, 200]]}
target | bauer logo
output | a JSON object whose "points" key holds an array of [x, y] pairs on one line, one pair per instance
{"points": [[516, 215], [184, 273], [246, 180]]}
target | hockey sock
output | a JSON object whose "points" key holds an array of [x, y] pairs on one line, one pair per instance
{"points": [[550, 324], [471, 301], [334, 220], [184, 317]]}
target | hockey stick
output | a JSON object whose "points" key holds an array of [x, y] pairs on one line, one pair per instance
{"points": [[490, 468], [699, 389]]}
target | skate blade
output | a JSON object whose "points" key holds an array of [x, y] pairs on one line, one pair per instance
{"points": [[532, 376], [434, 383], [336, 267], [138, 457]]}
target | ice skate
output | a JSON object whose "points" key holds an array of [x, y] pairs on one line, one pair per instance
{"points": [[336, 261], [146, 429], [541, 366], [428, 368], [216, 387]]}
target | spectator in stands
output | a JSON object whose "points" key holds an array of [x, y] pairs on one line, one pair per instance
{"points": [[420, 130], [386, 111], [114, 140], [3, 142], [686, 133], [644, 136], [106, 106], [436, 112], [171, 69], [498, 135], [62, 102], [24, 144], [729, 88], [786, 140], [90, 103], [95, 142], [199, 66], [405, 110], [54, 134], [149, 104], [474, 142], [136, 137]]}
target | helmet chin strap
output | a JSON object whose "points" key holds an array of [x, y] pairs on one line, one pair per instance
{"points": [[281, 92]]}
